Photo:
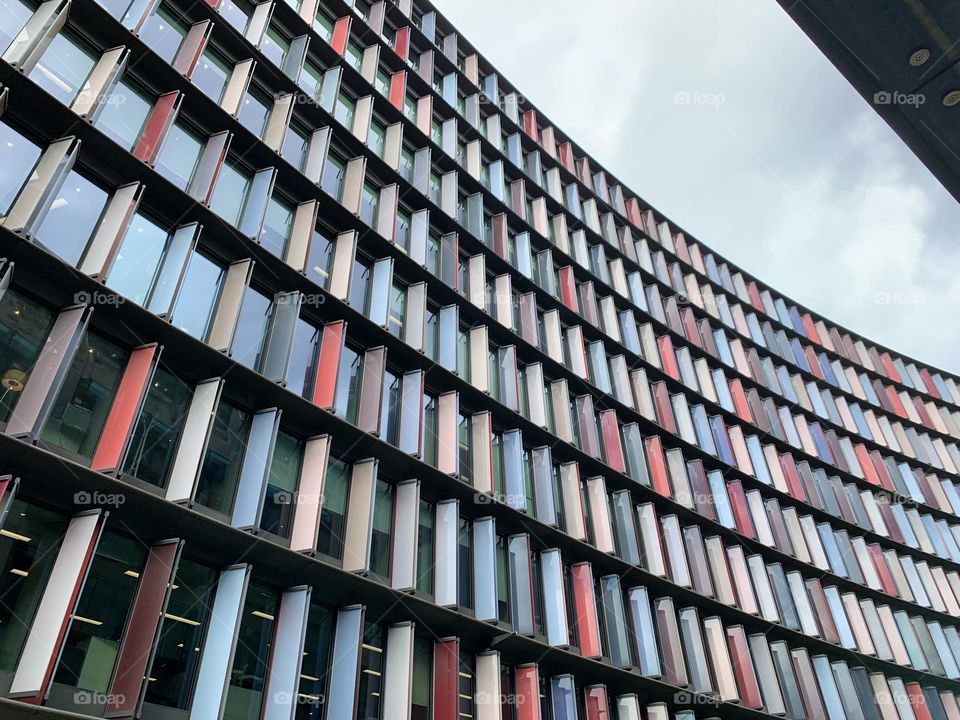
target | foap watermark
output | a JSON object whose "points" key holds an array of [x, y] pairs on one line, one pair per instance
{"points": [[98, 298], [886, 97], [295, 497], [899, 298], [95, 498], [511, 499], [286, 698], [685, 97], [689, 698], [89, 697], [484, 698]]}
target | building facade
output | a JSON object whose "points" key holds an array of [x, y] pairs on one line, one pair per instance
{"points": [[338, 384]]}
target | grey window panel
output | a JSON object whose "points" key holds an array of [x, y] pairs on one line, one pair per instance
{"points": [[448, 455], [405, 535], [341, 267], [828, 688], [766, 675], [173, 266], [485, 569], [839, 616], [371, 390], [675, 670], [645, 639], [193, 440], [601, 530], [411, 412], [211, 158], [447, 543], [697, 561], [252, 485], [449, 259], [34, 37], [653, 559], [554, 598], [626, 531], [695, 651], [279, 339], [398, 666], [110, 229], [38, 193], [381, 287], [521, 584], [191, 47], [353, 181], [514, 487], [543, 488], [317, 148], [255, 206], [258, 22], [386, 220], [615, 622], [536, 394], [419, 231], [359, 522], [306, 513], [792, 699], [345, 672], [225, 317], [97, 86], [370, 61], [283, 675], [278, 121], [393, 145], [296, 54], [676, 557], [237, 85], [719, 654]]}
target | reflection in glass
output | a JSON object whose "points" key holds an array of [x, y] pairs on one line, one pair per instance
{"points": [[282, 485], [81, 408], [382, 527], [198, 296], [13, 16], [347, 395], [336, 487], [179, 155], [303, 355], [277, 226], [24, 326], [163, 33], [254, 111], [217, 483], [91, 647], [137, 260], [19, 157], [63, 68], [211, 75], [72, 218], [230, 192], [124, 113], [251, 328], [155, 437], [321, 622], [251, 658], [371, 672]]}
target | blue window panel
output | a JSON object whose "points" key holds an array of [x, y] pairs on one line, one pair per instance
{"points": [[701, 426], [800, 358], [757, 459], [820, 441], [840, 617], [786, 386], [721, 501], [723, 391], [909, 537], [720, 437], [723, 347], [797, 321], [830, 546], [711, 265], [648, 659]]}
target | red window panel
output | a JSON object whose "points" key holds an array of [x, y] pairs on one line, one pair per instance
{"points": [[890, 367], [828, 630], [754, 293], [922, 412], [633, 213], [566, 159], [928, 381], [527, 688], [610, 435], [681, 244], [669, 360], [813, 361], [918, 703], [811, 329], [863, 457], [530, 125], [741, 513], [136, 650], [585, 604], [401, 43], [161, 117], [446, 679], [740, 400], [328, 364], [658, 466], [895, 401], [690, 327], [661, 399], [743, 668], [568, 288], [126, 406], [398, 89], [598, 707], [341, 34], [883, 571], [880, 468]]}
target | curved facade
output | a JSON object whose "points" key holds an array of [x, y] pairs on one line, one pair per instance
{"points": [[337, 384]]}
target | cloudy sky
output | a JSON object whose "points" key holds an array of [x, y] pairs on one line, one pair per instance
{"points": [[726, 118]]}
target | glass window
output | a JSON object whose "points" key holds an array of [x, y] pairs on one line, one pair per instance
{"points": [[236, 12], [252, 655], [319, 257], [344, 110], [154, 441], [63, 68], [181, 635], [294, 147], [371, 672], [254, 110], [28, 545], [137, 260], [303, 357], [360, 285], [503, 598], [336, 487], [401, 233], [422, 676], [317, 646], [220, 471], [369, 202], [198, 296], [19, 158], [425, 548], [72, 218], [277, 225], [311, 79], [323, 25], [24, 327], [251, 328], [466, 451], [429, 430], [179, 155], [124, 113], [390, 408], [467, 690], [465, 564], [211, 74], [353, 55], [382, 529], [81, 408], [230, 192], [91, 647], [347, 394], [13, 16], [274, 46], [398, 309], [376, 137], [163, 33], [332, 178], [282, 485]]}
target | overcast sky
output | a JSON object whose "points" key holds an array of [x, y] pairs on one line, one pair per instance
{"points": [[728, 119]]}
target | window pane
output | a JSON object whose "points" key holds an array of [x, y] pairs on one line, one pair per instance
{"points": [[181, 634], [24, 326], [91, 647], [382, 526], [81, 408], [254, 111], [294, 147], [336, 487], [277, 225], [274, 46], [371, 671], [282, 485], [251, 328], [319, 257], [230, 192], [317, 646], [420, 692], [124, 114], [154, 441], [302, 358], [72, 218], [332, 179], [179, 155], [211, 75], [198, 296], [235, 13], [163, 33], [13, 16], [217, 483], [137, 259], [248, 677], [19, 157], [27, 551], [425, 559], [348, 385], [63, 69]]}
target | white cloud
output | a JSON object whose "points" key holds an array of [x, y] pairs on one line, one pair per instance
{"points": [[792, 176]]}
